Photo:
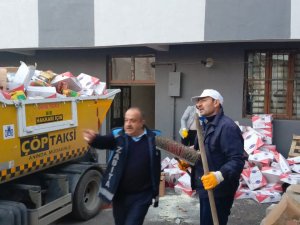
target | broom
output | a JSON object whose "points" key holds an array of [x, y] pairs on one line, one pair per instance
{"points": [[211, 198], [177, 149]]}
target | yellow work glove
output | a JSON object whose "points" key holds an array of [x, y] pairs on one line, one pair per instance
{"points": [[184, 133], [211, 180], [183, 165]]}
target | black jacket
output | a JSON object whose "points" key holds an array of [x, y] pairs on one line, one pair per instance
{"points": [[224, 147], [118, 143]]}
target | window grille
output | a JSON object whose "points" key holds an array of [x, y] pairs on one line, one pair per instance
{"points": [[272, 84]]}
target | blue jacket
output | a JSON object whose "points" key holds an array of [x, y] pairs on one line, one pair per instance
{"points": [[224, 147], [118, 142]]}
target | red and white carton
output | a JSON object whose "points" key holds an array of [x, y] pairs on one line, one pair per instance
{"points": [[275, 165], [267, 134], [180, 189], [261, 159], [271, 174], [269, 148], [276, 187], [87, 81], [296, 168], [165, 163], [263, 196], [251, 141], [292, 178], [283, 163], [262, 121], [185, 180], [243, 193], [294, 160], [253, 178], [68, 77]]}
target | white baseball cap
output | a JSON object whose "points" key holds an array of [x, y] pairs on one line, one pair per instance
{"points": [[209, 93]]}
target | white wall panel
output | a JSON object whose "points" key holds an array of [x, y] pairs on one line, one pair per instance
{"points": [[134, 22], [295, 19], [19, 24]]}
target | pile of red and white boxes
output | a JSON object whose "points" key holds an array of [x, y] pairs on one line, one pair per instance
{"points": [[265, 171]]}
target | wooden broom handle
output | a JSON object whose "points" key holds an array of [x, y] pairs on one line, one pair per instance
{"points": [[211, 198]]}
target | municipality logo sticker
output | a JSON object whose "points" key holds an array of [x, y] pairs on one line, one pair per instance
{"points": [[9, 131]]}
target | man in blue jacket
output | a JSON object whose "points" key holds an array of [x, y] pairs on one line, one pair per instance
{"points": [[131, 180], [224, 147]]}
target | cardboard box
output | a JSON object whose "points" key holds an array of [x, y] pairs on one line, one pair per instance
{"points": [[100, 88], [294, 160], [292, 178], [243, 193], [67, 77], [296, 168], [42, 78], [185, 180], [271, 174], [266, 196], [261, 159], [262, 121], [283, 163], [252, 141], [36, 92], [253, 178], [277, 187], [87, 81], [267, 134]]}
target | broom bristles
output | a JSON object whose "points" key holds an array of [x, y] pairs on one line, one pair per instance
{"points": [[179, 150]]}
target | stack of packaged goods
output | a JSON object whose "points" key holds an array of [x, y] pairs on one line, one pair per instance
{"points": [[267, 171]]}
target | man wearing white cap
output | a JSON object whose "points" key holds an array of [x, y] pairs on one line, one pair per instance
{"points": [[224, 146]]}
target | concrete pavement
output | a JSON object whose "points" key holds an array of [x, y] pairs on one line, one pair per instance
{"points": [[182, 209]]}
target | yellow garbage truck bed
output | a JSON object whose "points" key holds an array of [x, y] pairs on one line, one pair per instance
{"points": [[38, 134]]}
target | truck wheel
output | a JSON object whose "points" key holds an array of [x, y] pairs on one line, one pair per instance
{"points": [[86, 202]]}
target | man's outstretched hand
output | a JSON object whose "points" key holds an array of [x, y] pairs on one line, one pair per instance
{"points": [[89, 135]]}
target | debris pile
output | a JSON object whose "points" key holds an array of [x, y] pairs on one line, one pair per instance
{"points": [[266, 170], [26, 82]]}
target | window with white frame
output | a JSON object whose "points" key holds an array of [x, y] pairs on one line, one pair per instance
{"points": [[272, 83]]}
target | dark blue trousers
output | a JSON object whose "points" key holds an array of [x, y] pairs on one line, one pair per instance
{"points": [[223, 205], [131, 209]]}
